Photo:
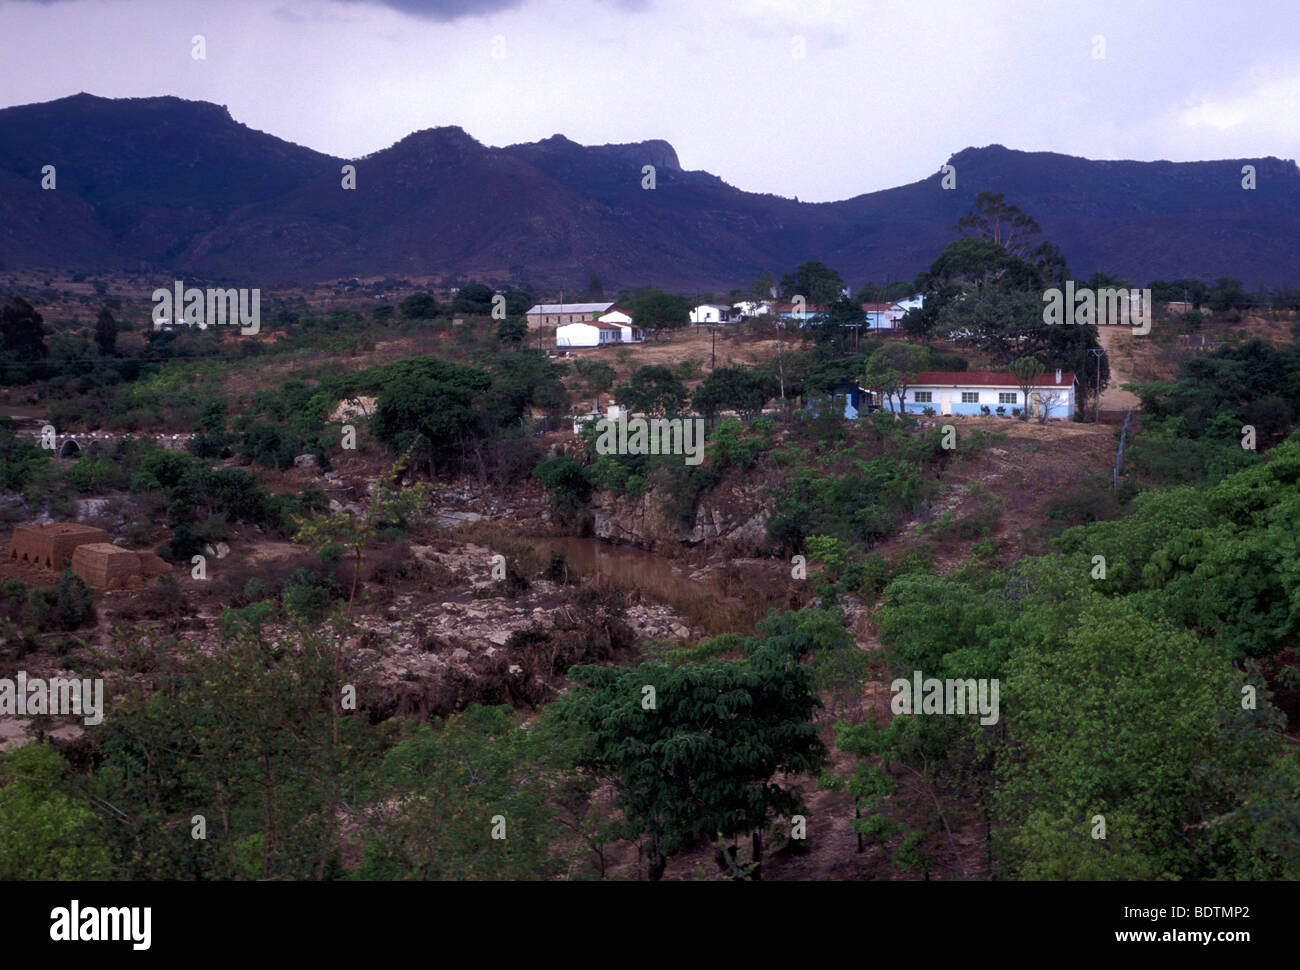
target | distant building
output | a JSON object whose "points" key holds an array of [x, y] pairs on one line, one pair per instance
{"points": [[800, 313], [967, 392], [748, 308], [630, 332], [847, 395], [591, 334], [707, 313], [558, 314], [888, 316]]}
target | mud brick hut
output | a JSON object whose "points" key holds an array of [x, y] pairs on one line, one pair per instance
{"points": [[106, 566], [49, 545]]}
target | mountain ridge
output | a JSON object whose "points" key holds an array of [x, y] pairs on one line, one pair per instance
{"points": [[170, 185]]}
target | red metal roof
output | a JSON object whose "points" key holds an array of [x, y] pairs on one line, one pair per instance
{"points": [[986, 378], [879, 307]]}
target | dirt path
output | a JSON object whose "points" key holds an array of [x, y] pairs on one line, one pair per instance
{"points": [[1119, 351]]}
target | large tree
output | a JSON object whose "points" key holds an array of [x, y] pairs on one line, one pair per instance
{"points": [[816, 282], [652, 390], [994, 218], [439, 402], [106, 332], [473, 299], [741, 389], [653, 309], [22, 331], [695, 749], [892, 368]]}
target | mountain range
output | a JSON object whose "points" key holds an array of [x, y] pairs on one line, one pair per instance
{"points": [[175, 187]]}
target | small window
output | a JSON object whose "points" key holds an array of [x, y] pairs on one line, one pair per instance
{"points": [[970, 397], [924, 397], [1007, 397]]}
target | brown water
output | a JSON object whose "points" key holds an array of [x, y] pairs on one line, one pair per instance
{"points": [[709, 601], [594, 557]]}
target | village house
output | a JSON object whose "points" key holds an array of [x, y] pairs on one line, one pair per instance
{"points": [[748, 308], [800, 313], [710, 313], [588, 334], [888, 316], [882, 316], [558, 314], [970, 392]]}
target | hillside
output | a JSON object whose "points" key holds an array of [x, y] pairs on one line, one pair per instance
{"points": [[163, 185]]}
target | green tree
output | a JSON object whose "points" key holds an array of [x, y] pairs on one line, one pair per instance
{"points": [[816, 282], [993, 218], [1026, 371], [654, 310], [22, 332], [744, 390], [892, 368], [512, 331], [436, 402], [419, 306], [652, 390], [474, 299], [701, 760], [46, 830], [106, 332], [466, 799]]}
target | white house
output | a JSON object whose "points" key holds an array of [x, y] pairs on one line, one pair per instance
{"points": [[968, 392], [889, 315], [594, 334], [629, 332], [748, 308], [882, 316], [711, 313]]}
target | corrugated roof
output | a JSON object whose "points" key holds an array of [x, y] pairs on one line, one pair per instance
{"points": [[570, 308], [986, 378]]}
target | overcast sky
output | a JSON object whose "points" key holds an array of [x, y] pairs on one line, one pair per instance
{"points": [[819, 99]]}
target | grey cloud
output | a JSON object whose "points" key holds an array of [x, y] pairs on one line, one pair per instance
{"points": [[447, 10]]}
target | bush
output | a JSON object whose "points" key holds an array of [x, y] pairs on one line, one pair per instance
{"points": [[184, 545], [557, 569], [308, 596], [64, 606], [95, 475], [248, 619]]}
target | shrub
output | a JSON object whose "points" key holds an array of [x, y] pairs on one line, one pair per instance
{"points": [[308, 597], [95, 475], [64, 606], [557, 569], [248, 619]]}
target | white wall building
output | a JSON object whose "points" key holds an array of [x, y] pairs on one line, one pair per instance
{"points": [[711, 313], [593, 334]]}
